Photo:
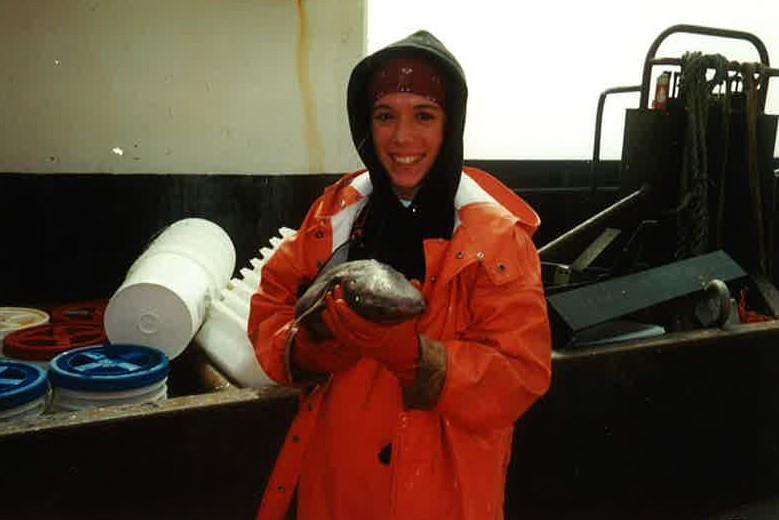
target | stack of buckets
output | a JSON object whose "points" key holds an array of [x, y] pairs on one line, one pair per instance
{"points": [[105, 375], [83, 378], [18, 318], [150, 319], [23, 386], [23, 390], [70, 355], [182, 278], [163, 300]]}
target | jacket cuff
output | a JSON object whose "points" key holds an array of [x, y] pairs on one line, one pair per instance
{"points": [[424, 392]]}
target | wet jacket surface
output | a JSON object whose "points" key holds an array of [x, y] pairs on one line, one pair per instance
{"points": [[355, 449]]}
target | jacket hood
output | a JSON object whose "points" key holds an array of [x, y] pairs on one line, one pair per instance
{"points": [[441, 182], [386, 230]]}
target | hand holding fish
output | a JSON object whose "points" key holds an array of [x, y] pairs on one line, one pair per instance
{"points": [[396, 346], [367, 304], [327, 356], [374, 290]]}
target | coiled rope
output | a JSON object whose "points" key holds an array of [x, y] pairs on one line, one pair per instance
{"points": [[693, 217], [752, 73]]}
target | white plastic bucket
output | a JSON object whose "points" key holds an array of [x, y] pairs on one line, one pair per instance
{"points": [[163, 299], [18, 318], [23, 390], [161, 304], [202, 242], [34, 408], [66, 400], [106, 375], [37, 345]]}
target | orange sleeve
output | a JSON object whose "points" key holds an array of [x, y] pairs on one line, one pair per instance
{"points": [[272, 313]]}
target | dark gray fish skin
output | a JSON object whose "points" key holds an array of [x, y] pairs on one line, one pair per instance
{"points": [[375, 291]]}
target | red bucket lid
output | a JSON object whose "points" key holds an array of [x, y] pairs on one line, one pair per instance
{"points": [[91, 311], [43, 342]]}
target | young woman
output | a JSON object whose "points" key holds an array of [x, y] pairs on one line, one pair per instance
{"points": [[415, 420]]}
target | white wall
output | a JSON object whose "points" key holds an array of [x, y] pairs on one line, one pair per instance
{"points": [[213, 86], [535, 69], [179, 86]]}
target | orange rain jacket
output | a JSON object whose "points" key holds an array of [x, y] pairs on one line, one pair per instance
{"points": [[485, 305]]}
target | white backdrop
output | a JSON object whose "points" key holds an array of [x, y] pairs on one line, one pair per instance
{"points": [[177, 86], [535, 69]]}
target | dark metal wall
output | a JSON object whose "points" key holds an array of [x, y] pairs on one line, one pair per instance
{"points": [[197, 461], [68, 237], [677, 428], [673, 428]]}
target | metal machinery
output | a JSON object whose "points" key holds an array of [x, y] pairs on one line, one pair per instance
{"points": [[696, 203]]}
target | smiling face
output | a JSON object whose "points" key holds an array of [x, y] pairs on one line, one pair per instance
{"points": [[408, 131]]}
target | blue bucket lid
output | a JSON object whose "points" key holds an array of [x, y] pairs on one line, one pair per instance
{"points": [[114, 367], [20, 383]]}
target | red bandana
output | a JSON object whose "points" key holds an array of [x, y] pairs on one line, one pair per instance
{"points": [[411, 75]]}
